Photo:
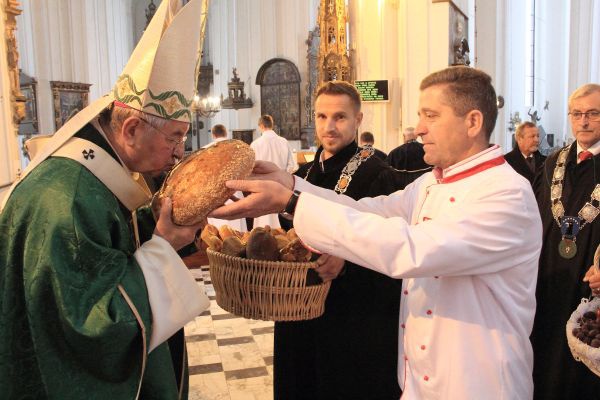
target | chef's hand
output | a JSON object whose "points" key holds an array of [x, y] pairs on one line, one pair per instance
{"points": [[261, 197], [592, 276], [329, 267], [177, 236], [267, 171]]}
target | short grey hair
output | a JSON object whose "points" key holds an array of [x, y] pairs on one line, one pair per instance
{"points": [[116, 116], [583, 91]]}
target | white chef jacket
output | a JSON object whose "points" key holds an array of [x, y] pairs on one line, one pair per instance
{"points": [[274, 148], [467, 247], [237, 224]]}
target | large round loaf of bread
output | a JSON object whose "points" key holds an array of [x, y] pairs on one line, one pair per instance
{"points": [[197, 184]]}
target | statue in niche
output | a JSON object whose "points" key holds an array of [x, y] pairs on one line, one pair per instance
{"points": [[331, 36], [534, 116], [461, 52]]}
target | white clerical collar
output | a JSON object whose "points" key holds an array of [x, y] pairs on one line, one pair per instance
{"points": [[467, 167], [215, 141], [96, 124], [594, 149]]}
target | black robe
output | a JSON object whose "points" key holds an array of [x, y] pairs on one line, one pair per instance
{"points": [[517, 161], [351, 351], [408, 158], [560, 287]]}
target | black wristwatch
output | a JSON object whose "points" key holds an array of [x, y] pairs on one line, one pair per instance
{"points": [[288, 211]]}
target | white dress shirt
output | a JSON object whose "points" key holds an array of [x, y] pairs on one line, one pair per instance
{"points": [[467, 247], [272, 147]]}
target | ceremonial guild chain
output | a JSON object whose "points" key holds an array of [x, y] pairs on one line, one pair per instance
{"points": [[346, 176], [568, 225]]}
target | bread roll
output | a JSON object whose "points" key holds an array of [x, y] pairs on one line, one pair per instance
{"points": [[226, 231], [295, 251], [213, 243], [262, 245], [233, 246], [197, 184]]}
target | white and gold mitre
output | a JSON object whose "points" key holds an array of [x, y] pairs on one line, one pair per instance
{"points": [[161, 75]]}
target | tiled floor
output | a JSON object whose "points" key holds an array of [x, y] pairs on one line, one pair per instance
{"points": [[230, 358]]}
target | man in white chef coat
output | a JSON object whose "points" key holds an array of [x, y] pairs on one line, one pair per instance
{"points": [[465, 238]]}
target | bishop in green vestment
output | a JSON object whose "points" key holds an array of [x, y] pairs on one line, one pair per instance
{"points": [[91, 307]]}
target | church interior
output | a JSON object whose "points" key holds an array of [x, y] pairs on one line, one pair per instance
{"points": [[267, 57]]}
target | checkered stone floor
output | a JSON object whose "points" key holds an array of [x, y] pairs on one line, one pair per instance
{"points": [[230, 358]]}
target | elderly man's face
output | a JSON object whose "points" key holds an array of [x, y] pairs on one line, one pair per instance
{"points": [[157, 150], [444, 134], [585, 131], [529, 141], [336, 122]]}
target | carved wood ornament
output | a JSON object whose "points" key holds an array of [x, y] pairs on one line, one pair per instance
{"points": [[334, 60], [12, 55]]}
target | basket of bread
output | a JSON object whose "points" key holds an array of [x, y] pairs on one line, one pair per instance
{"points": [[264, 274], [583, 329]]}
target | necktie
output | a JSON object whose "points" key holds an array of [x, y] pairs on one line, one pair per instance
{"points": [[530, 163], [584, 155]]}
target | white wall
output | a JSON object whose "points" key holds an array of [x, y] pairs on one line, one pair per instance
{"points": [[86, 41], [377, 23], [263, 29], [567, 55]]}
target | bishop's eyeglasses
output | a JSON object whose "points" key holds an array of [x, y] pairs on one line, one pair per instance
{"points": [[591, 115], [168, 137]]}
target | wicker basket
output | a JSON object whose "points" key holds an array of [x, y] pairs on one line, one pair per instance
{"points": [[267, 290], [589, 355]]}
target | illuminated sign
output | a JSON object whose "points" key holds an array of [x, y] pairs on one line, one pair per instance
{"points": [[373, 90]]}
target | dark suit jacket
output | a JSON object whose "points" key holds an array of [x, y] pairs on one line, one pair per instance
{"points": [[517, 161]]}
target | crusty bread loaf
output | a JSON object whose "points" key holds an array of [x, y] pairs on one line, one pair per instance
{"points": [[197, 184]]}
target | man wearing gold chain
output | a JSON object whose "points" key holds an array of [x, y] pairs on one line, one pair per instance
{"points": [[351, 351], [568, 192]]}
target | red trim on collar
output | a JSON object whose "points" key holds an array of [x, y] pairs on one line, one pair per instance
{"points": [[474, 170]]}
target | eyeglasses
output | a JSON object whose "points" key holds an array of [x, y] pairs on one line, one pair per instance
{"points": [[592, 115], [168, 137]]}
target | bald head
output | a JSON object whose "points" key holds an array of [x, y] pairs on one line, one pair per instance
{"points": [[409, 134]]}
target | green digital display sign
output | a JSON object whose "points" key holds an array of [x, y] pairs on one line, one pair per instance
{"points": [[376, 90]]}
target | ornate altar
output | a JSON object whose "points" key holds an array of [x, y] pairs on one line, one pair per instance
{"points": [[334, 59]]}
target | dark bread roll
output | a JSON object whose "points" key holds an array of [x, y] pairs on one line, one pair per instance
{"points": [[262, 245], [197, 184]]}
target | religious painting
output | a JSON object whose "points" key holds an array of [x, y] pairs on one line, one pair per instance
{"points": [[29, 124], [458, 52], [279, 82], [69, 99]]}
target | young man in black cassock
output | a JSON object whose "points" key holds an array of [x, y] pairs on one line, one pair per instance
{"points": [[351, 351], [571, 233]]}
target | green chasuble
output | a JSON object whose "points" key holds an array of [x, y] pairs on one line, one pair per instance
{"points": [[74, 313]]}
